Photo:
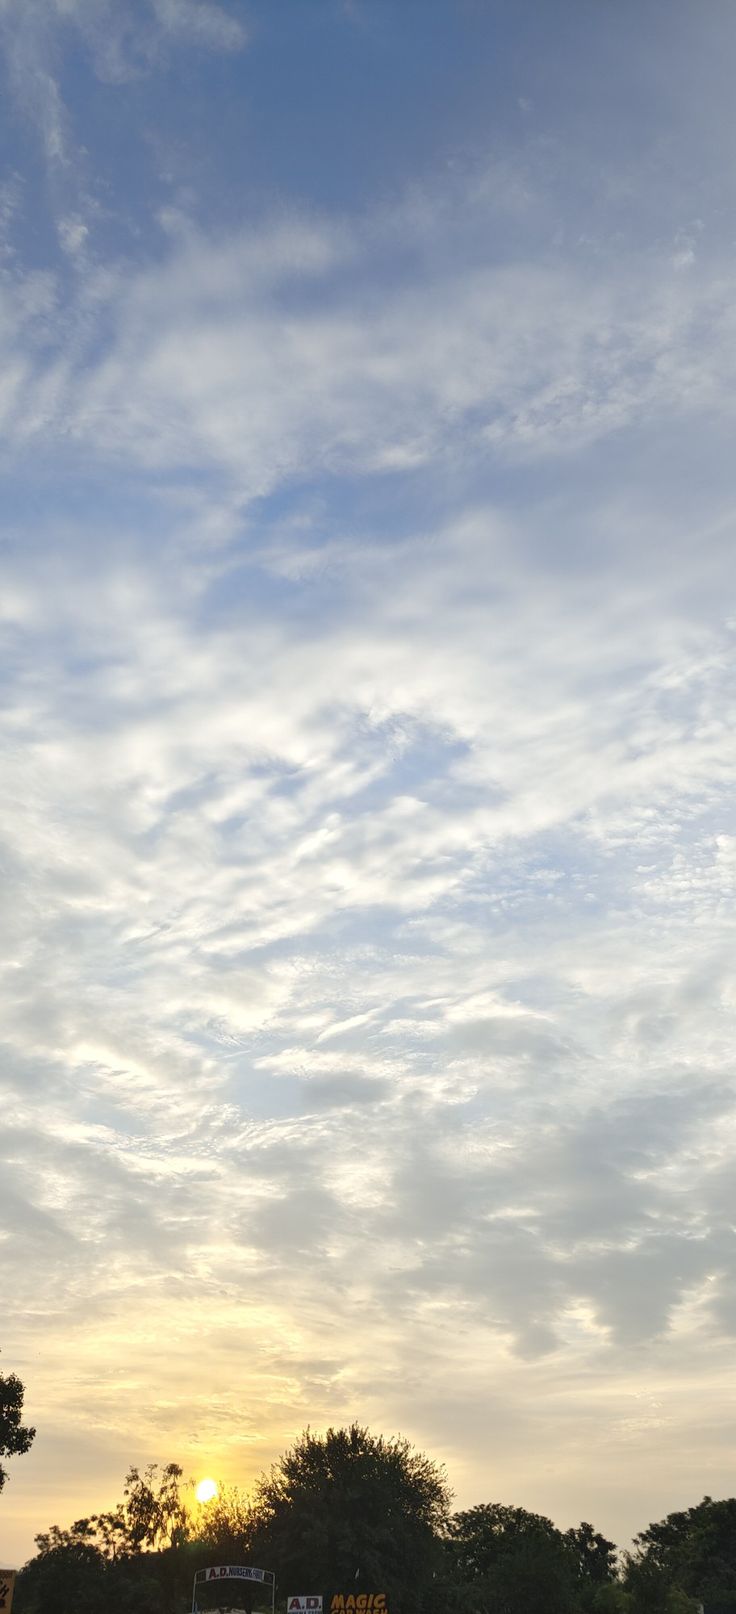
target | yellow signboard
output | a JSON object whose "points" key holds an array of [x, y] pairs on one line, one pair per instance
{"points": [[363, 1603], [7, 1582]]}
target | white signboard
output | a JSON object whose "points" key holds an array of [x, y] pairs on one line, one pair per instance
{"points": [[232, 1572], [307, 1603]]}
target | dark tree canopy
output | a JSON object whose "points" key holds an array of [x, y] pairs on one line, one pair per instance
{"points": [[138, 1558], [353, 1512], [15, 1437], [153, 1512], [67, 1574], [508, 1561], [350, 1509], [595, 1555], [694, 1550]]}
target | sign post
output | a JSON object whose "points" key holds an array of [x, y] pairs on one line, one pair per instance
{"points": [[220, 1573], [7, 1584]]}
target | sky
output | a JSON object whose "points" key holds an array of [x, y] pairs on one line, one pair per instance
{"points": [[367, 983]]}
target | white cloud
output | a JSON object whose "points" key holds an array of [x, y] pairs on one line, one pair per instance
{"points": [[352, 877], [72, 235], [202, 22], [255, 356], [123, 44]]}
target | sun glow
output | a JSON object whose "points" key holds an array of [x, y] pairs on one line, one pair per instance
{"points": [[206, 1490]]}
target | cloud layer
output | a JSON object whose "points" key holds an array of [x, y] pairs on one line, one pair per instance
{"points": [[366, 802]]}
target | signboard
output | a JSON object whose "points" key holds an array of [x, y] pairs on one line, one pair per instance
{"points": [[7, 1582], [359, 1603], [306, 1603], [232, 1572], [208, 1580]]}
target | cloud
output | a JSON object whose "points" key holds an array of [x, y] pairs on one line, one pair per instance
{"points": [[30, 64], [266, 359], [236, 818], [367, 974], [72, 235], [203, 23], [123, 43]]}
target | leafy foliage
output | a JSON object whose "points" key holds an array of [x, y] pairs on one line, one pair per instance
{"points": [[352, 1507], [352, 1511], [508, 1561], [595, 1556], [154, 1513], [68, 1573], [695, 1550], [15, 1437], [226, 1526], [133, 1557]]}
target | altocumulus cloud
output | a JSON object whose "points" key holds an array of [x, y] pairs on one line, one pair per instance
{"points": [[367, 947]]}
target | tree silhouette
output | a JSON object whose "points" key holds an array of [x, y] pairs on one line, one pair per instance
{"points": [[352, 1511], [15, 1437]]}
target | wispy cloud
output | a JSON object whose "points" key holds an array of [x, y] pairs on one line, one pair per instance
{"points": [[250, 356], [367, 961]]}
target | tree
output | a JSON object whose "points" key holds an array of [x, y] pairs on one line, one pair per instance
{"points": [[694, 1550], [135, 1559], [595, 1558], [67, 1575], [611, 1599], [154, 1513], [352, 1511], [15, 1437], [226, 1524], [507, 1561], [650, 1591]]}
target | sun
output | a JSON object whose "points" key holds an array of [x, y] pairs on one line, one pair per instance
{"points": [[206, 1490]]}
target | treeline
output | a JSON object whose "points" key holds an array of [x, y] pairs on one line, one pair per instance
{"points": [[353, 1513]]}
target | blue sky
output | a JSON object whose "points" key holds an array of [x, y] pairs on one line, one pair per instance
{"points": [[366, 632]]}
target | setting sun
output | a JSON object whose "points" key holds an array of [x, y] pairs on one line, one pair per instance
{"points": [[206, 1490]]}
